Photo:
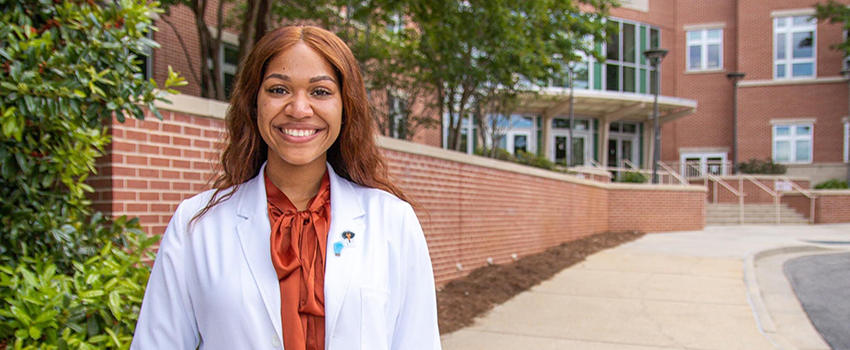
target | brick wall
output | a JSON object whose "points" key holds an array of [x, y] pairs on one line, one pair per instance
{"points": [[472, 208], [831, 206], [656, 211]]}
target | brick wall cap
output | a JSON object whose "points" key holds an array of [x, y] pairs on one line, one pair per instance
{"points": [[439, 153], [193, 105], [819, 193], [766, 177], [806, 81]]}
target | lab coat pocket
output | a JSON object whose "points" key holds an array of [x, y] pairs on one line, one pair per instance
{"points": [[373, 323]]}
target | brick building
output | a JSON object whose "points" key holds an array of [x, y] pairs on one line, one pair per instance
{"points": [[792, 104]]}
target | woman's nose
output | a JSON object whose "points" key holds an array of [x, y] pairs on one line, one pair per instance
{"points": [[299, 106]]}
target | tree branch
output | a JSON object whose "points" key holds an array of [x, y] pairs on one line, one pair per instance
{"points": [[185, 50]]}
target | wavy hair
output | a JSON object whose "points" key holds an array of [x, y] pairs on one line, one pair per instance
{"points": [[354, 155]]}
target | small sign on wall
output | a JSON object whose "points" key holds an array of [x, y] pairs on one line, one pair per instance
{"points": [[783, 186]]}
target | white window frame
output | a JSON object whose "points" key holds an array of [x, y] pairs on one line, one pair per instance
{"points": [[792, 140], [847, 142], [703, 43], [789, 30], [587, 134], [703, 161], [520, 132]]}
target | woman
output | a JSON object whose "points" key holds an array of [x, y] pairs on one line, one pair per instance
{"points": [[304, 243]]}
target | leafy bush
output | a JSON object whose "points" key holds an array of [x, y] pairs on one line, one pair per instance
{"points": [[834, 184], [65, 66], [95, 307], [632, 177], [758, 166], [70, 277], [525, 158]]}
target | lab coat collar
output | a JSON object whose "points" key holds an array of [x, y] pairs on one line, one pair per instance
{"points": [[255, 236]]}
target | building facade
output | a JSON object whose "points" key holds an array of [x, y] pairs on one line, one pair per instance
{"points": [[792, 103]]}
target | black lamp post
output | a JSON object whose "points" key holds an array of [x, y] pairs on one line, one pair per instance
{"points": [[655, 56], [846, 73], [735, 77]]}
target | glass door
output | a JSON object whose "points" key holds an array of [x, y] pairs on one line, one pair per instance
{"points": [[561, 150]]}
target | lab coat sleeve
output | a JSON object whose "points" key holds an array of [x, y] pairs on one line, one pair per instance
{"points": [[167, 320], [416, 326]]}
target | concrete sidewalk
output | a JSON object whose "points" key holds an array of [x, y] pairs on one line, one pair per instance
{"points": [[682, 290]]}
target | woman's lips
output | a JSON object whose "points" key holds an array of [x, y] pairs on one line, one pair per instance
{"points": [[298, 135]]}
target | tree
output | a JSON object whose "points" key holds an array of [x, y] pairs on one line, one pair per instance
{"points": [[837, 13], [507, 45]]}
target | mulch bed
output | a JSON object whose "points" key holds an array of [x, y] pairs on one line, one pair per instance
{"points": [[461, 300]]}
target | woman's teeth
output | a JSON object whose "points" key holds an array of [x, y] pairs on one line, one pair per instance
{"points": [[299, 132]]}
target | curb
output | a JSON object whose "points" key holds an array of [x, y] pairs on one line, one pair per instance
{"points": [[761, 313]]}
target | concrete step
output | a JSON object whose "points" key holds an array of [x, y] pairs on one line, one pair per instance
{"points": [[752, 221], [764, 214]]}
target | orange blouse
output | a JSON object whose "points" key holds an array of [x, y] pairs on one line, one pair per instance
{"points": [[298, 243]]}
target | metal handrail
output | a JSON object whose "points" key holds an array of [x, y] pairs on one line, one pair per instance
{"points": [[775, 194], [673, 173], [740, 194], [630, 164], [805, 193]]}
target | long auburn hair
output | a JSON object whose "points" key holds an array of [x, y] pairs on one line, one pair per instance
{"points": [[354, 155]]}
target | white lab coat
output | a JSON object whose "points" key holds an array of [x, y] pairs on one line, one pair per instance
{"points": [[215, 286]]}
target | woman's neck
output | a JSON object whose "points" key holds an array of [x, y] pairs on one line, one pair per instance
{"points": [[300, 183]]}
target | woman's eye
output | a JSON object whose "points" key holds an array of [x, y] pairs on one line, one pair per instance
{"points": [[277, 90], [322, 92]]}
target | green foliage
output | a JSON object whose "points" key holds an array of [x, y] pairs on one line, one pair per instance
{"points": [[525, 158], [94, 307], [834, 184], [758, 166], [70, 278], [65, 67], [632, 177], [836, 13]]}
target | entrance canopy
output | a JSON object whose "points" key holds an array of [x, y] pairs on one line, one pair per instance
{"points": [[607, 105]]}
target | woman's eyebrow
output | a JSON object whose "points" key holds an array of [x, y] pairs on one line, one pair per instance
{"points": [[322, 77], [279, 76]]}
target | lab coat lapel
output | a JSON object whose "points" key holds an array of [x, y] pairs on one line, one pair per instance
{"points": [[255, 237], [346, 215]]}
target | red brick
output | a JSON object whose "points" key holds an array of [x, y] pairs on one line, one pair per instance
{"points": [[146, 196], [137, 184], [160, 162], [181, 141], [180, 164]]}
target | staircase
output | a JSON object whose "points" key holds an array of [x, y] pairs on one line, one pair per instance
{"points": [[754, 214]]}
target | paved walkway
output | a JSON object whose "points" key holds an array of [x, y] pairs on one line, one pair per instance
{"points": [[682, 290]]}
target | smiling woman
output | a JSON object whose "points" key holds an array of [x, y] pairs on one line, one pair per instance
{"points": [[245, 265]]}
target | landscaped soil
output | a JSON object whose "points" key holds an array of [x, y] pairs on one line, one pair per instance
{"points": [[461, 300]]}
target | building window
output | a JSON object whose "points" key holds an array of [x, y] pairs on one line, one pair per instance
{"points": [[847, 142], [792, 143], [626, 69], [794, 47], [705, 49], [397, 112], [145, 61], [230, 60]]}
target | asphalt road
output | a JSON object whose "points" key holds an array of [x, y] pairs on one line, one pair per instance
{"points": [[822, 283]]}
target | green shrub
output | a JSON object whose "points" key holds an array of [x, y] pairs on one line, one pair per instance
{"points": [[632, 177], [95, 307], [758, 166], [834, 184], [534, 160], [65, 67], [69, 277]]}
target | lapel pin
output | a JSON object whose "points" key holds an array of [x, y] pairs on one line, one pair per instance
{"points": [[348, 238], [338, 248]]}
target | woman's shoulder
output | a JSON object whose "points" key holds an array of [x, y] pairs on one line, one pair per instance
{"points": [[375, 196], [191, 206]]}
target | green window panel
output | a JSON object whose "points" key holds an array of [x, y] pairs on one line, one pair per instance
{"points": [[644, 44], [597, 76], [643, 81]]}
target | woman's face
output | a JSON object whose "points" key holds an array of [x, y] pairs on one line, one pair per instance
{"points": [[299, 107]]}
